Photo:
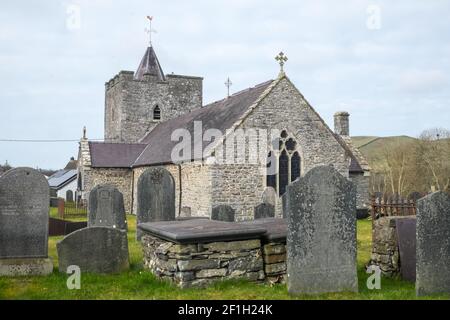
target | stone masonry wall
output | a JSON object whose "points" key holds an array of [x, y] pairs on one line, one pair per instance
{"points": [[274, 254], [191, 265], [385, 252], [284, 108], [129, 103], [362, 190]]}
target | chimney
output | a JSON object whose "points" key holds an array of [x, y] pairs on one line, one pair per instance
{"points": [[341, 123]]}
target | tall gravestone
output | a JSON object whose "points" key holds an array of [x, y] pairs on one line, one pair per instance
{"points": [[24, 215], [321, 239], [106, 208], [433, 244], [94, 249], [269, 196], [155, 197], [223, 212], [264, 210]]}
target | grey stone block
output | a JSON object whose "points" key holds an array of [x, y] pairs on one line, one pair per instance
{"points": [[155, 197], [26, 267], [24, 208], [106, 208], [433, 244], [321, 239], [95, 249], [223, 212]]}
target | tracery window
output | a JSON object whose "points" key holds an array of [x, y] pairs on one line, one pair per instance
{"points": [[283, 163]]}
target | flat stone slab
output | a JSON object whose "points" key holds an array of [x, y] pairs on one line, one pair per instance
{"points": [[94, 249], [276, 228], [201, 230], [26, 267], [406, 235]]}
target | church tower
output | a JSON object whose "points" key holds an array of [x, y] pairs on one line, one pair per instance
{"points": [[135, 102]]}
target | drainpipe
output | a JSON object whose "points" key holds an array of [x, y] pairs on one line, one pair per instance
{"points": [[180, 189], [132, 191]]}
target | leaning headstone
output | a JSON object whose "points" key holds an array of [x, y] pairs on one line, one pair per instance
{"points": [[155, 197], [321, 239], [106, 208], [94, 249], [264, 210], [269, 196], [223, 212], [24, 215], [433, 244]]}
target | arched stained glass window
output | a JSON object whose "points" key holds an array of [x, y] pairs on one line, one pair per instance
{"points": [[295, 166], [283, 169]]}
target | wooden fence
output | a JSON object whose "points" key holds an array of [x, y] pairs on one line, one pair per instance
{"points": [[392, 205]]}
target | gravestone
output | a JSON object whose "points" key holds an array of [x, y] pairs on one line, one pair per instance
{"points": [[321, 238], [94, 249], [264, 210], [284, 204], [24, 215], [223, 212], [415, 195], [269, 196], [155, 197], [406, 236], [433, 244], [106, 208]]}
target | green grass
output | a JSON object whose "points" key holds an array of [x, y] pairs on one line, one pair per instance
{"points": [[138, 283]]}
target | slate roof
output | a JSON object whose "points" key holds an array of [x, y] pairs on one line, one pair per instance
{"points": [[219, 115], [149, 65], [71, 165], [62, 177], [114, 155], [156, 147]]}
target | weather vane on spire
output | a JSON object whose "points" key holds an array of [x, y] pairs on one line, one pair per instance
{"points": [[150, 30], [281, 58]]}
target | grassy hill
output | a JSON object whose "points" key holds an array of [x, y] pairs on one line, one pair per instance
{"points": [[371, 146]]}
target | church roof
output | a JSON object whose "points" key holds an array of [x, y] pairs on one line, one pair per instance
{"points": [[149, 65], [219, 115], [114, 155]]}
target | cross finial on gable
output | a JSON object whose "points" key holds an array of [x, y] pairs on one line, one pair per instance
{"points": [[228, 84], [281, 58]]}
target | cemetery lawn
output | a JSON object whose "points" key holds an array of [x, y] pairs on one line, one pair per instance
{"points": [[138, 283]]}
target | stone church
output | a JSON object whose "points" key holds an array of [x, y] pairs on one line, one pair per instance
{"points": [[144, 110]]}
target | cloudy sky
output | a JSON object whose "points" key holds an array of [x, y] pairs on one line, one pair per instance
{"points": [[386, 62]]}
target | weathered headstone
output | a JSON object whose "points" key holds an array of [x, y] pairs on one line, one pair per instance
{"points": [[24, 215], [321, 239], [406, 236], [264, 210], [223, 212], [106, 208], [284, 204], [269, 196], [155, 197], [415, 195], [433, 244], [94, 249]]}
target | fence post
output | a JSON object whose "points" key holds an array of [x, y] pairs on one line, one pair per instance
{"points": [[61, 208]]}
